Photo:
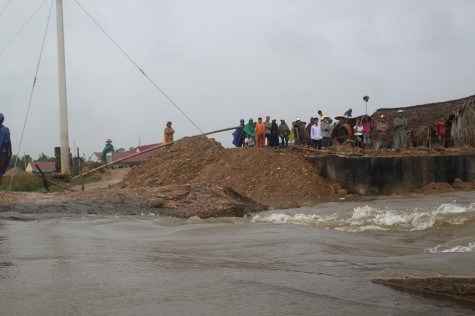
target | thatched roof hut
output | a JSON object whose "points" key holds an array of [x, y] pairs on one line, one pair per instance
{"points": [[459, 116], [463, 129]]}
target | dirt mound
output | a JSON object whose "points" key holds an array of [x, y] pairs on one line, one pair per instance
{"points": [[17, 172], [179, 163], [203, 200], [22, 180], [276, 177]]}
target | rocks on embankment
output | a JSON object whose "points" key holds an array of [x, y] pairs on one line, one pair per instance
{"points": [[460, 288], [204, 200]]}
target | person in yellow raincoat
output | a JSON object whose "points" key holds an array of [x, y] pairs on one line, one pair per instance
{"points": [[168, 133]]}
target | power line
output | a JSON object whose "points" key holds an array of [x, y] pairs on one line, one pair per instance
{"points": [[21, 28], [139, 68], [32, 90], [5, 7]]}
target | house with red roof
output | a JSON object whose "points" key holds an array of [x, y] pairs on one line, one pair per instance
{"points": [[135, 160], [45, 166]]}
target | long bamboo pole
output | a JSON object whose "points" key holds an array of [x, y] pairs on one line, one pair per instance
{"points": [[150, 149]]}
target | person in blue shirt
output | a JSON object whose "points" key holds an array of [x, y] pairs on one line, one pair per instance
{"points": [[238, 135], [5, 148], [348, 113]]}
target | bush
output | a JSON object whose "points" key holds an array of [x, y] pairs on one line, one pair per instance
{"points": [[23, 183]]}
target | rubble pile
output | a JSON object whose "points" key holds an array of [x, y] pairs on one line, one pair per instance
{"points": [[276, 177]]}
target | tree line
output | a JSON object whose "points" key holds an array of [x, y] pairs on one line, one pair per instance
{"points": [[22, 161]]}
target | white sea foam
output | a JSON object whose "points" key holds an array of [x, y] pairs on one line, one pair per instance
{"points": [[362, 212], [415, 220], [354, 229], [444, 248], [451, 208], [389, 218], [302, 219], [366, 218]]}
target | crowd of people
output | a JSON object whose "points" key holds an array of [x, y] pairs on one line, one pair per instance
{"points": [[321, 132], [260, 134]]}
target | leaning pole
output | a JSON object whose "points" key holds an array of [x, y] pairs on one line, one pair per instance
{"points": [[63, 107]]}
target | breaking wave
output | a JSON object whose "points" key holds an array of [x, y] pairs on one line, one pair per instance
{"points": [[367, 218], [446, 248]]}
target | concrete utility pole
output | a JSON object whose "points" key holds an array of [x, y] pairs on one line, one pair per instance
{"points": [[63, 107]]}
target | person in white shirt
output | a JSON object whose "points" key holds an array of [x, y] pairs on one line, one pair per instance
{"points": [[249, 141], [316, 134], [358, 132]]}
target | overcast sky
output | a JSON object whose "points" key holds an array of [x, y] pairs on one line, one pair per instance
{"points": [[223, 60]]}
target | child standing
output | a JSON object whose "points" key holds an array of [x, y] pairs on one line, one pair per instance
{"points": [[441, 133]]}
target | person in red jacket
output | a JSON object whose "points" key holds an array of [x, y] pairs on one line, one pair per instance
{"points": [[441, 133]]}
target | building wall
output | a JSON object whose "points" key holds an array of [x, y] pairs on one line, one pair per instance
{"points": [[387, 175]]}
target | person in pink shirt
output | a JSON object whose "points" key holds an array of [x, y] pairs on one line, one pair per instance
{"points": [[367, 128]]}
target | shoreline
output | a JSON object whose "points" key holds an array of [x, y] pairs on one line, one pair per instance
{"points": [[174, 201]]}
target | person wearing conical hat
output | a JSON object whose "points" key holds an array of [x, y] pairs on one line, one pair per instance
{"points": [[326, 131], [382, 129], [5, 148], [400, 131], [107, 152]]}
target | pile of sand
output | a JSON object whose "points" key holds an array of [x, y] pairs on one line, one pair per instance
{"points": [[277, 177]]}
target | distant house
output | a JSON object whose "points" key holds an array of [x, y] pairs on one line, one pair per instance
{"points": [[135, 160], [122, 153], [45, 166], [95, 157]]}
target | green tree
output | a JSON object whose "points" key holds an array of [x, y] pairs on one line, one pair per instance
{"points": [[43, 157], [21, 163]]}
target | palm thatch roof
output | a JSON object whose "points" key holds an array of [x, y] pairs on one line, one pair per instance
{"points": [[459, 116], [463, 129]]}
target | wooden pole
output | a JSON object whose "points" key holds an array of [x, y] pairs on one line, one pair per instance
{"points": [[42, 176], [80, 171], [45, 184], [150, 149]]}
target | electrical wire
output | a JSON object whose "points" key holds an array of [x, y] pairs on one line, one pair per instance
{"points": [[32, 91], [5, 7], [139, 68], [21, 29]]}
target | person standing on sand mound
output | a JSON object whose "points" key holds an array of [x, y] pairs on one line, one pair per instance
{"points": [[400, 131], [168, 133], [260, 130], [5, 148], [107, 152]]}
